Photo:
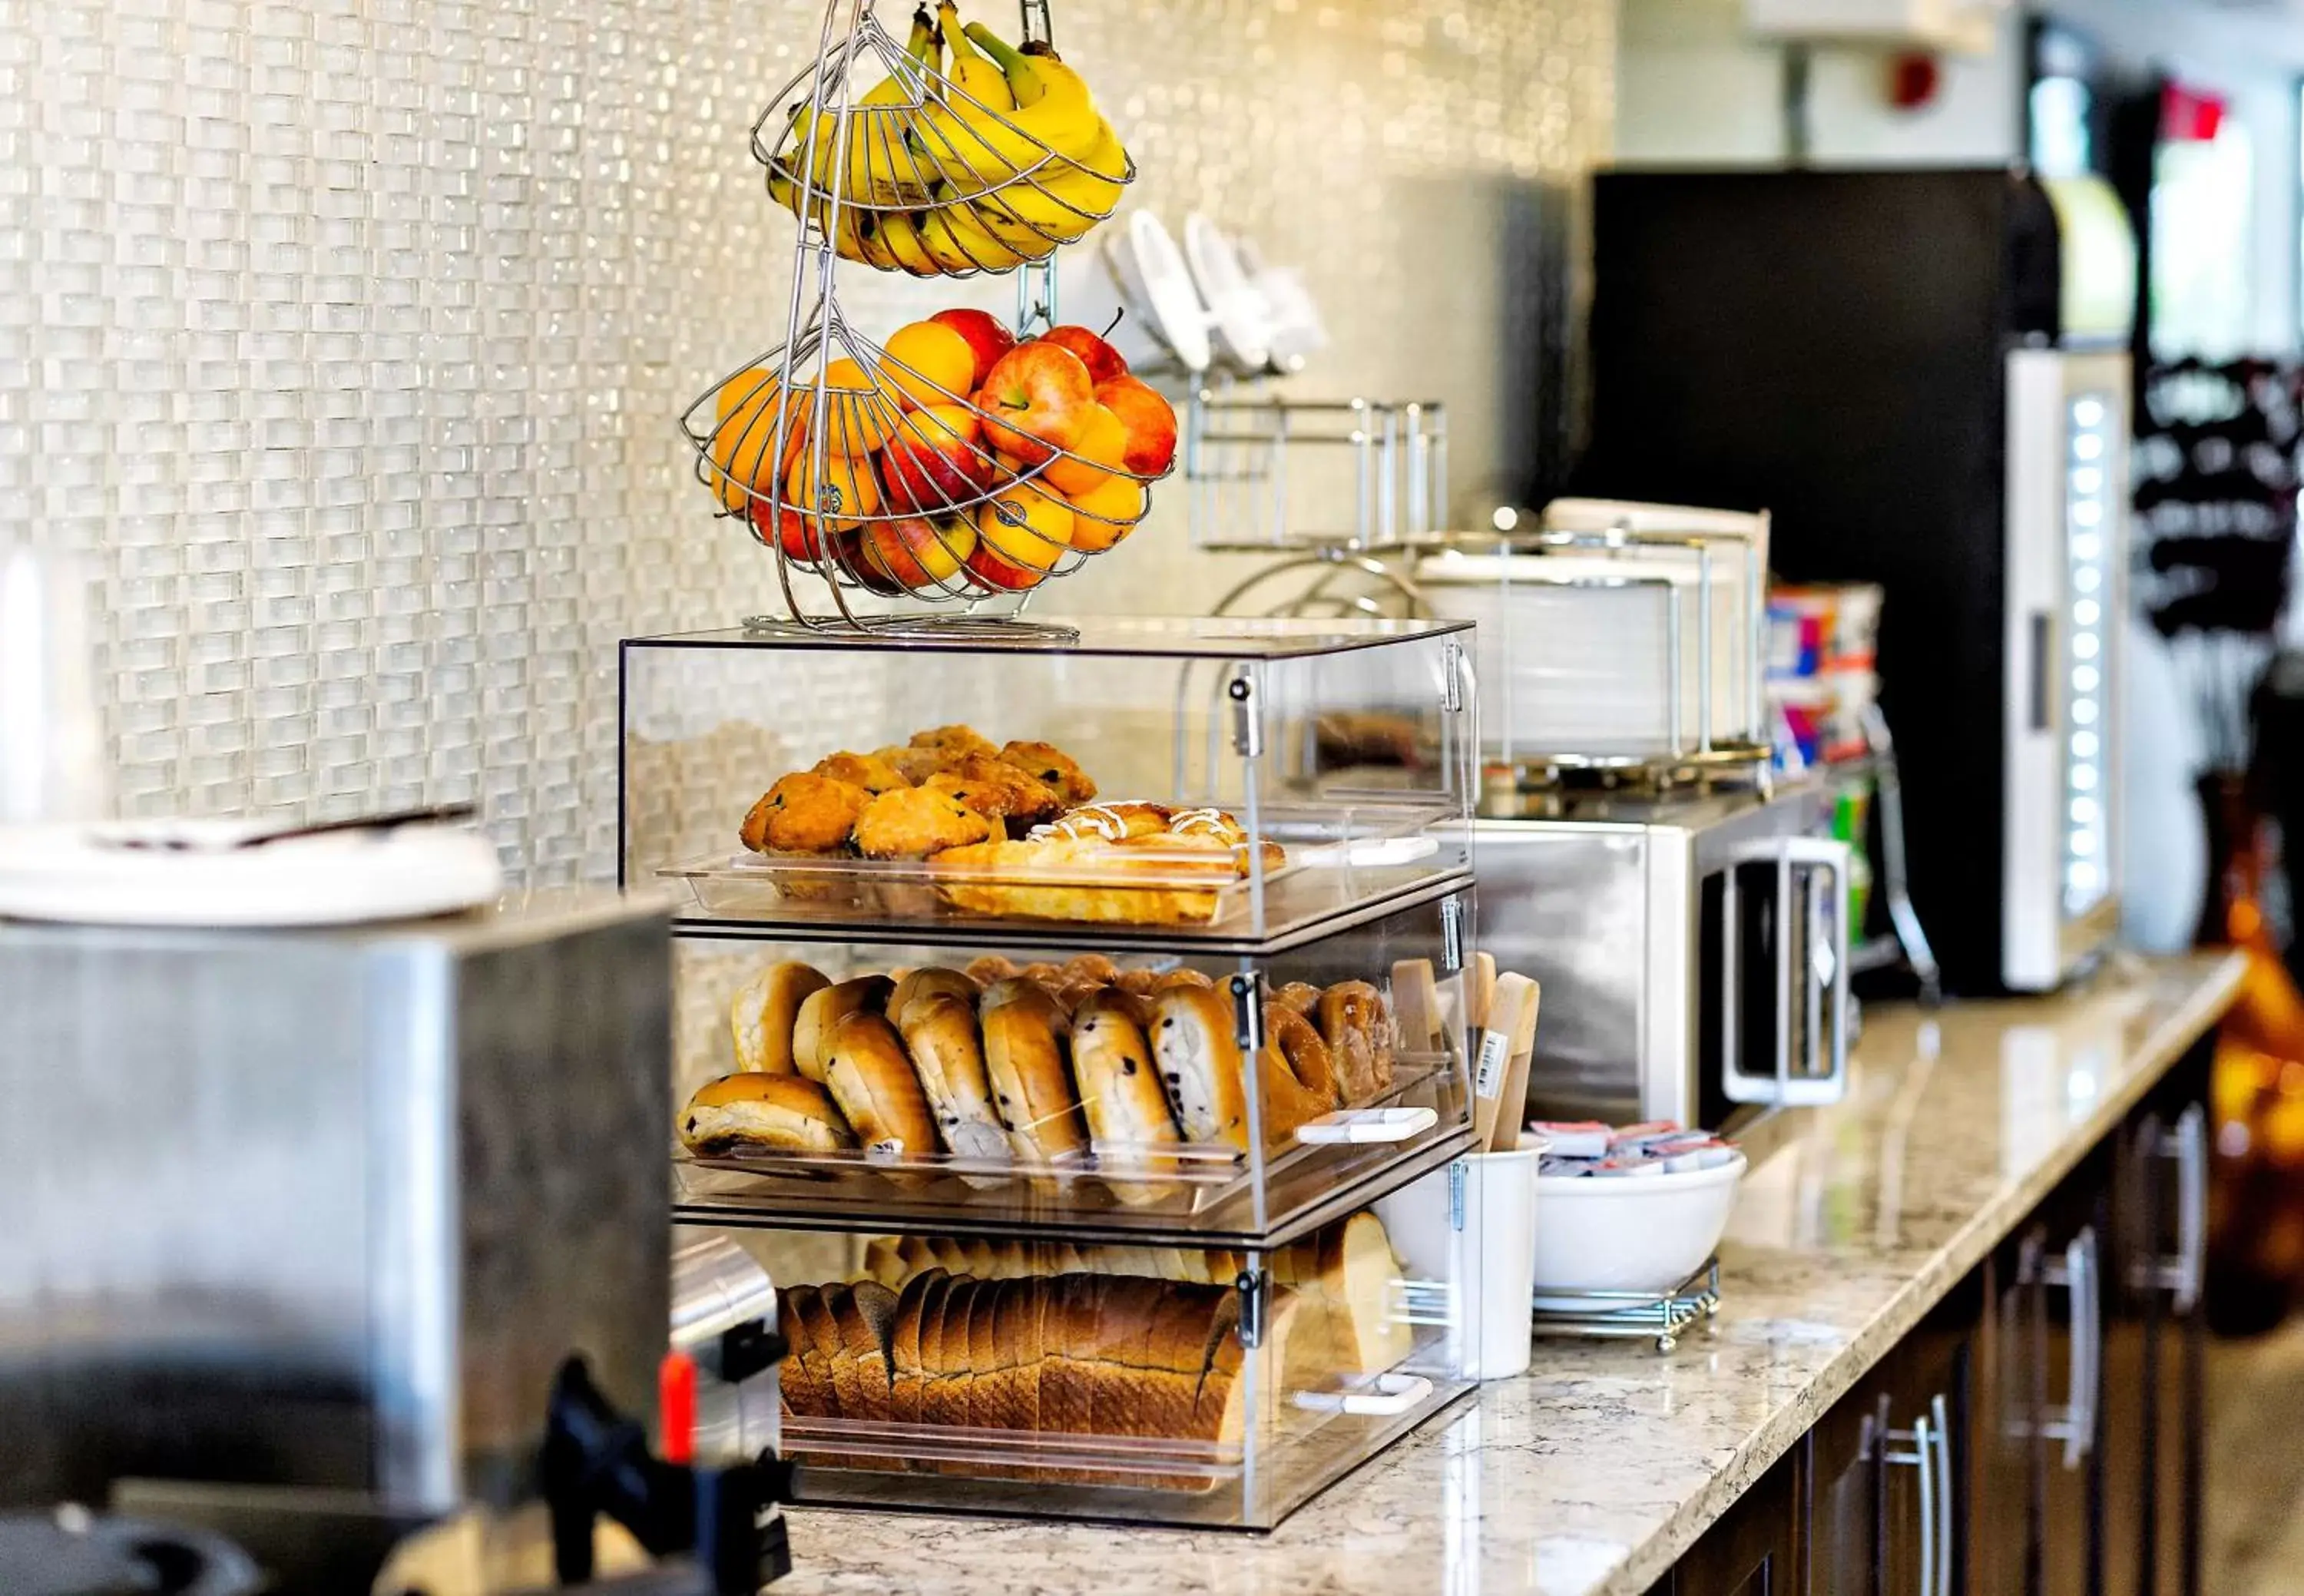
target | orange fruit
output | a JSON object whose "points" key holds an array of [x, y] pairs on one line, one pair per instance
{"points": [[929, 364], [840, 500], [1102, 449], [861, 406], [1020, 537], [1107, 513], [748, 410]]}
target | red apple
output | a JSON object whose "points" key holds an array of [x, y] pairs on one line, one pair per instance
{"points": [[1150, 422], [988, 338], [937, 461], [1104, 362], [1037, 400], [794, 533], [914, 553], [852, 551]]}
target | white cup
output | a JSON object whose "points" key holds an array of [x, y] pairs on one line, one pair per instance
{"points": [[1471, 1228]]}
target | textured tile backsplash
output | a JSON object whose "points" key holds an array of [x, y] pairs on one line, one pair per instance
{"points": [[346, 336]]}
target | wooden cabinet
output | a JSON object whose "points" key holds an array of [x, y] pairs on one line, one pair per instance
{"points": [[1887, 1464], [1754, 1549], [2041, 1434]]}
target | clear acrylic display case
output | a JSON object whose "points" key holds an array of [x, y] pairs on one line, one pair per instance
{"points": [[1354, 1078], [1049, 1376], [1345, 748]]}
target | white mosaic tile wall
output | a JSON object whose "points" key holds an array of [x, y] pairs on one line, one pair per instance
{"points": [[346, 334]]}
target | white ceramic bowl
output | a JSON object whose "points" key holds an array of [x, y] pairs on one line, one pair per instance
{"points": [[1632, 1232]]}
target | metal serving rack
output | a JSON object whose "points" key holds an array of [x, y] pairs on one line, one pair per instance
{"points": [[1634, 1315], [1261, 471], [1477, 577]]}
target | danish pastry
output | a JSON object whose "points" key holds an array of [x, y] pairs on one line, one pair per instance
{"points": [[871, 1077], [749, 1110], [804, 813], [1024, 1035], [916, 822], [766, 1009]]}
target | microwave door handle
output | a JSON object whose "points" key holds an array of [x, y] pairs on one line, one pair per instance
{"points": [[1825, 1078], [1732, 984]]}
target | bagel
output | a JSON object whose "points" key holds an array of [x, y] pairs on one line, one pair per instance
{"points": [[1181, 980], [1121, 1095], [1200, 1063], [821, 1012], [1302, 996], [765, 1011], [947, 1053], [1359, 1033], [1295, 1042], [1024, 1038], [750, 1110], [870, 1076], [930, 982], [1092, 967]]}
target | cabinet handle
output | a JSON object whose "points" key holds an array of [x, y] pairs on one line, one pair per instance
{"points": [[1947, 1515], [2078, 1273], [1927, 1447], [2188, 1147]]}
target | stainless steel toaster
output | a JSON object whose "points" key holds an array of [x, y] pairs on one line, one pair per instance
{"points": [[329, 1210], [1692, 950]]}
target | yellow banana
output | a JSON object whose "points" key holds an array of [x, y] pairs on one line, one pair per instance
{"points": [[1053, 110], [881, 168], [1059, 203], [959, 243], [853, 241], [900, 235], [977, 78]]}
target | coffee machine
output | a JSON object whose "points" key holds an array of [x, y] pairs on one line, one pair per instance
{"points": [[353, 1245]]}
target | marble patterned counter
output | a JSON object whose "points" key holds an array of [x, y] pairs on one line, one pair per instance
{"points": [[1593, 1474]]}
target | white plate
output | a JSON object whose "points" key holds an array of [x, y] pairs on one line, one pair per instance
{"points": [[82, 875], [1243, 327], [1156, 287]]}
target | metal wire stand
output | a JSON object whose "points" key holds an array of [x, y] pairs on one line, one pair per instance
{"points": [[1634, 1315]]}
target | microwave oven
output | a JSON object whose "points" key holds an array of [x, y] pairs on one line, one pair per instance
{"points": [[1692, 950]]}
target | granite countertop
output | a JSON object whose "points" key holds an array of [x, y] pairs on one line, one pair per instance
{"points": [[1590, 1475]]}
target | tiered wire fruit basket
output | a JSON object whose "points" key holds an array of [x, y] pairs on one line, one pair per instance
{"points": [[928, 483]]}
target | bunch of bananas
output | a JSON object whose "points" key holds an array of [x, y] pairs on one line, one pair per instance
{"points": [[984, 164]]}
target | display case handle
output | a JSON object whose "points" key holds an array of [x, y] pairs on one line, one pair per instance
{"points": [[2075, 1424], [1388, 1398], [1362, 1126]]}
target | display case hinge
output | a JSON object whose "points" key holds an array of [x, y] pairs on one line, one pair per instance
{"points": [[1255, 1304], [1246, 1016], [1452, 677], [1451, 935], [1246, 717]]}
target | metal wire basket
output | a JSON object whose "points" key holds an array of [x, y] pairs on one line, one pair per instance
{"points": [[985, 167], [866, 476], [881, 486], [1264, 470]]}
